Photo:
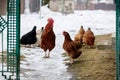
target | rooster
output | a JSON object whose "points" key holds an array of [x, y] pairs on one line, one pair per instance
{"points": [[89, 38], [29, 38], [71, 47], [79, 35], [48, 38]]}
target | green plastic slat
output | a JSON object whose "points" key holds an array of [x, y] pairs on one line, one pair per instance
{"points": [[117, 39], [3, 24], [12, 56]]}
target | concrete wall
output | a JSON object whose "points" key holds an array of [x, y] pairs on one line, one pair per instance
{"points": [[34, 5], [64, 6], [103, 6], [69, 6], [22, 6], [55, 5], [3, 7]]}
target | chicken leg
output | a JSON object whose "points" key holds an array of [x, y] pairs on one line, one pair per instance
{"points": [[48, 54], [45, 55]]}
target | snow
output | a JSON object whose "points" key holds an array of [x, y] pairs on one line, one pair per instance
{"points": [[102, 1], [106, 1], [34, 67]]}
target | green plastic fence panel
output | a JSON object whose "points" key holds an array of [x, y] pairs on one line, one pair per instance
{"points": [[3, 24], [11, 58], [117, 39]]}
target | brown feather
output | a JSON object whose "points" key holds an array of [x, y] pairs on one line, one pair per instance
{"points": [[79, 35], [48, 40], [89, 37], [71, 47]]}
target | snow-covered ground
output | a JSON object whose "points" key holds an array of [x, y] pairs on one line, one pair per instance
{"points": [[34, 67]]}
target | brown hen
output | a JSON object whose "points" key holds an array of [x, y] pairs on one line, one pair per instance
{"points": [[71, 47], [89, 38], [79, 35], [48, 38]]}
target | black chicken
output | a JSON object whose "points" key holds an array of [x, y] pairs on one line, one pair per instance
{"points": [[29, 38]]}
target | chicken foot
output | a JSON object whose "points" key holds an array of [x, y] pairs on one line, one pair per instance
{"points": [[47, 56]]}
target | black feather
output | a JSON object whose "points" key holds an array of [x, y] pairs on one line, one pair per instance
{"points": [[30, 37]]}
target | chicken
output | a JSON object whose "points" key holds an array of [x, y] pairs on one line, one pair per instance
{"points": [[79, 35], [38, 35], [89, 38], [71, 47], [48, 38], [29, 38]]}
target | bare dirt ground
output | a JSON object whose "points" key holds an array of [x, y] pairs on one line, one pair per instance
{"points": [[95, 64]]}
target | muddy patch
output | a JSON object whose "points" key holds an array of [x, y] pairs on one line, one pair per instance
{"points": [[94, 64]]}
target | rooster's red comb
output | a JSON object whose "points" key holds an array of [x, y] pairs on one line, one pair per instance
{"points": [[50, 20]]}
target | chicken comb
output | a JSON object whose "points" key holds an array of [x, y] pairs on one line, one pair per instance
{"points": [[50, 20]]}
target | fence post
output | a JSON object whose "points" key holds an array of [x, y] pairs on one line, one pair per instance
{"points": [[117, 39]]}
